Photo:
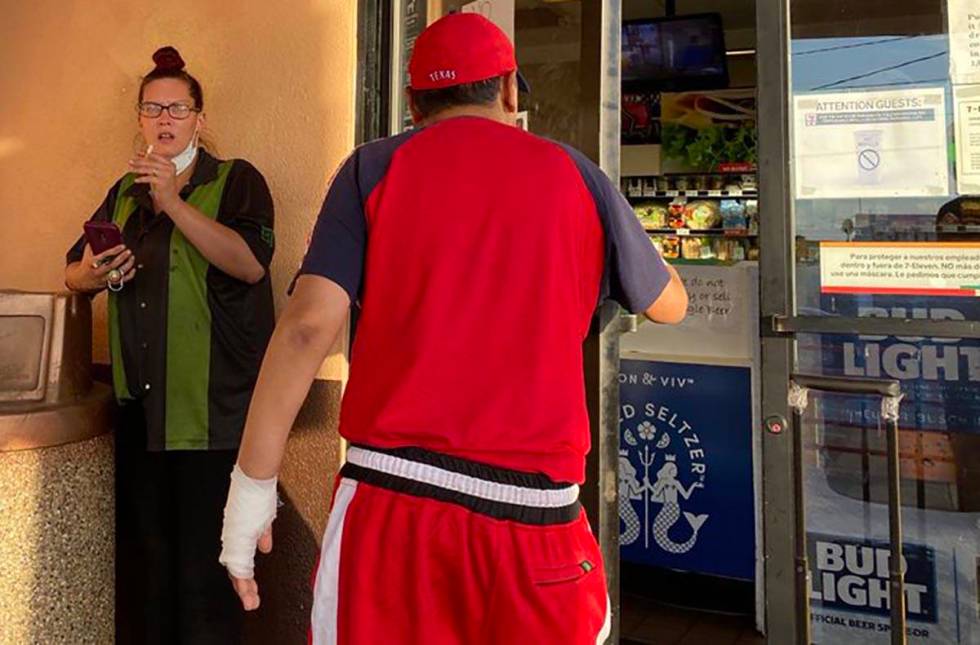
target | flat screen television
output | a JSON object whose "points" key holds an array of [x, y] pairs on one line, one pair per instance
{"points": [[675, 53]]}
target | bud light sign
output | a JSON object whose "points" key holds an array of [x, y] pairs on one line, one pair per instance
{"points": [[939, 376], [851, 575]]}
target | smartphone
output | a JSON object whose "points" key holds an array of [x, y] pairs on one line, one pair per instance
{"points": [[102, 236]]}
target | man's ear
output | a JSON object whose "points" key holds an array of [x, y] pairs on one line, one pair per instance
{"points": [[509, 93], [410, 99]]}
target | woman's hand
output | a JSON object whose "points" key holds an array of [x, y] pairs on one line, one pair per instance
{"points": [[160, 174], [91, 274]]}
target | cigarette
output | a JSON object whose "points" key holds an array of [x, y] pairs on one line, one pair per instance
{"points": [[149, 149]]}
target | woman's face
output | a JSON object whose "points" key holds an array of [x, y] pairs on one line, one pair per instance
{"points": [[169, 136]]}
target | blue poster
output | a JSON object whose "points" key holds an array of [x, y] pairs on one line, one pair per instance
{"points": [[940, 376], [685, 467]]}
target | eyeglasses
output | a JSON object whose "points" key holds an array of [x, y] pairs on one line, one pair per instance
{"points": [[177, 111]]}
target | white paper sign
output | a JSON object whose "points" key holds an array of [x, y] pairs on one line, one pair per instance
{"points": [[871, 144], [722, 323], [901, 268], [500, 12], [713, 294], [964, 40], [966, 116]]}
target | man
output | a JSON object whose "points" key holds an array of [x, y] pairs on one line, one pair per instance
{"points": [[478, 254]]}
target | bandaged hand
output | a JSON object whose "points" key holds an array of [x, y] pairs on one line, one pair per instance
{"points": [[249, 512]]}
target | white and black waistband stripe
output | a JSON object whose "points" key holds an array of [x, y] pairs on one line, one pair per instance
{"points": [[469, 467], [503, 501]]}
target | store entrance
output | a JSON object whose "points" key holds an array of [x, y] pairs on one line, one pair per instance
{"points": [[672, 409], [689, 460]]}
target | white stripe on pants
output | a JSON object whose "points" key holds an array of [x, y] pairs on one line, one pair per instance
{"points": [[326, 590], [606, 625]]}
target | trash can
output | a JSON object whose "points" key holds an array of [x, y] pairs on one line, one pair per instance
{"points": [[56, 475]]}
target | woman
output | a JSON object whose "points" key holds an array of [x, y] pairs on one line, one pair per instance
{"points": [[190, 315]]}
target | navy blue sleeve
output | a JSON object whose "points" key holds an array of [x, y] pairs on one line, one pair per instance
{"points": [[634, 275], [339, 242]]}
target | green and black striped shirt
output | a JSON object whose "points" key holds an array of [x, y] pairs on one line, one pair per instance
{"points": [[186, 340]]}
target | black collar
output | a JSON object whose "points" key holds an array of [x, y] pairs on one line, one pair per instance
{"points": [[206, 169]]}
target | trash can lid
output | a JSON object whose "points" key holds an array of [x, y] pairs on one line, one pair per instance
{"points": [[30, 426]]}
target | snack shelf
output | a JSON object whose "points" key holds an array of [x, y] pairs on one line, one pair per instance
{"points": [[702, 194], [729, 170], [690, 232]]}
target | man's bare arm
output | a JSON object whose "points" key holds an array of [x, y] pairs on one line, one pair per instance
{"points": [[304, 335]]}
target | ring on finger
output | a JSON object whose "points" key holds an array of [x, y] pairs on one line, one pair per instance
{"points": [[114, 280]]}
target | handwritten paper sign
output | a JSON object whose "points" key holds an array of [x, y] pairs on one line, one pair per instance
{"points": [[712, 295], [722, 323]]}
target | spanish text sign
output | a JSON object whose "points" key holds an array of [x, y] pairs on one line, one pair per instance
{"points": [[901, 268], [871, 144], [964, 40]]}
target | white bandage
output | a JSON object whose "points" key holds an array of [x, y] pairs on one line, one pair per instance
{"points": [[250, 509]]}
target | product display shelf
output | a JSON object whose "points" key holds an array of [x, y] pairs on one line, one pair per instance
{"points": [[690, 232], [700, 194]]}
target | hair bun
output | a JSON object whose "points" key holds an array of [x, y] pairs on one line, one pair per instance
{"points": [[168, 59]]}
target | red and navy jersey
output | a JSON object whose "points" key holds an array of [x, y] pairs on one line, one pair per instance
{"points": [[478, 254]]}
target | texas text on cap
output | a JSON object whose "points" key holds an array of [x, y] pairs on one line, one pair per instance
{"points": [[461, 48]]}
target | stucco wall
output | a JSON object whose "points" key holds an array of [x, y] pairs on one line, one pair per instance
{"points": [[278, 83]]}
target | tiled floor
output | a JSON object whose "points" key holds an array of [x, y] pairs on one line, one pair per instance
{"points": [[650, 623]]}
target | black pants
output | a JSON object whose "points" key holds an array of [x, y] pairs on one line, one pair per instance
{"points": [[170, 588]]}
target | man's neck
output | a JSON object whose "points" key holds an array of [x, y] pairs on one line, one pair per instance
{"points": [[494, 113]]}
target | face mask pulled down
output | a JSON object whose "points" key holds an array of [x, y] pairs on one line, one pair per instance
{"points": [[184, 160]]}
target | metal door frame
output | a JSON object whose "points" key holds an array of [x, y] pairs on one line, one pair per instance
{"points": [[779, 322], [600, 114], [776, 277]]}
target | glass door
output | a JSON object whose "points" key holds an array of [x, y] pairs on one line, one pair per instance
{"points": [[870, 169]]}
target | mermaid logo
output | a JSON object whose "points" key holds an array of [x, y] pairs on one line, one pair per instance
{"points": [[656, 450]]}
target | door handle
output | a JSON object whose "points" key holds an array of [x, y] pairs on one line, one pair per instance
{"points": [[628, 323]]}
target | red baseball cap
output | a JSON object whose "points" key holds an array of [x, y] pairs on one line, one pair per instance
{"points": [[461, 48]]}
